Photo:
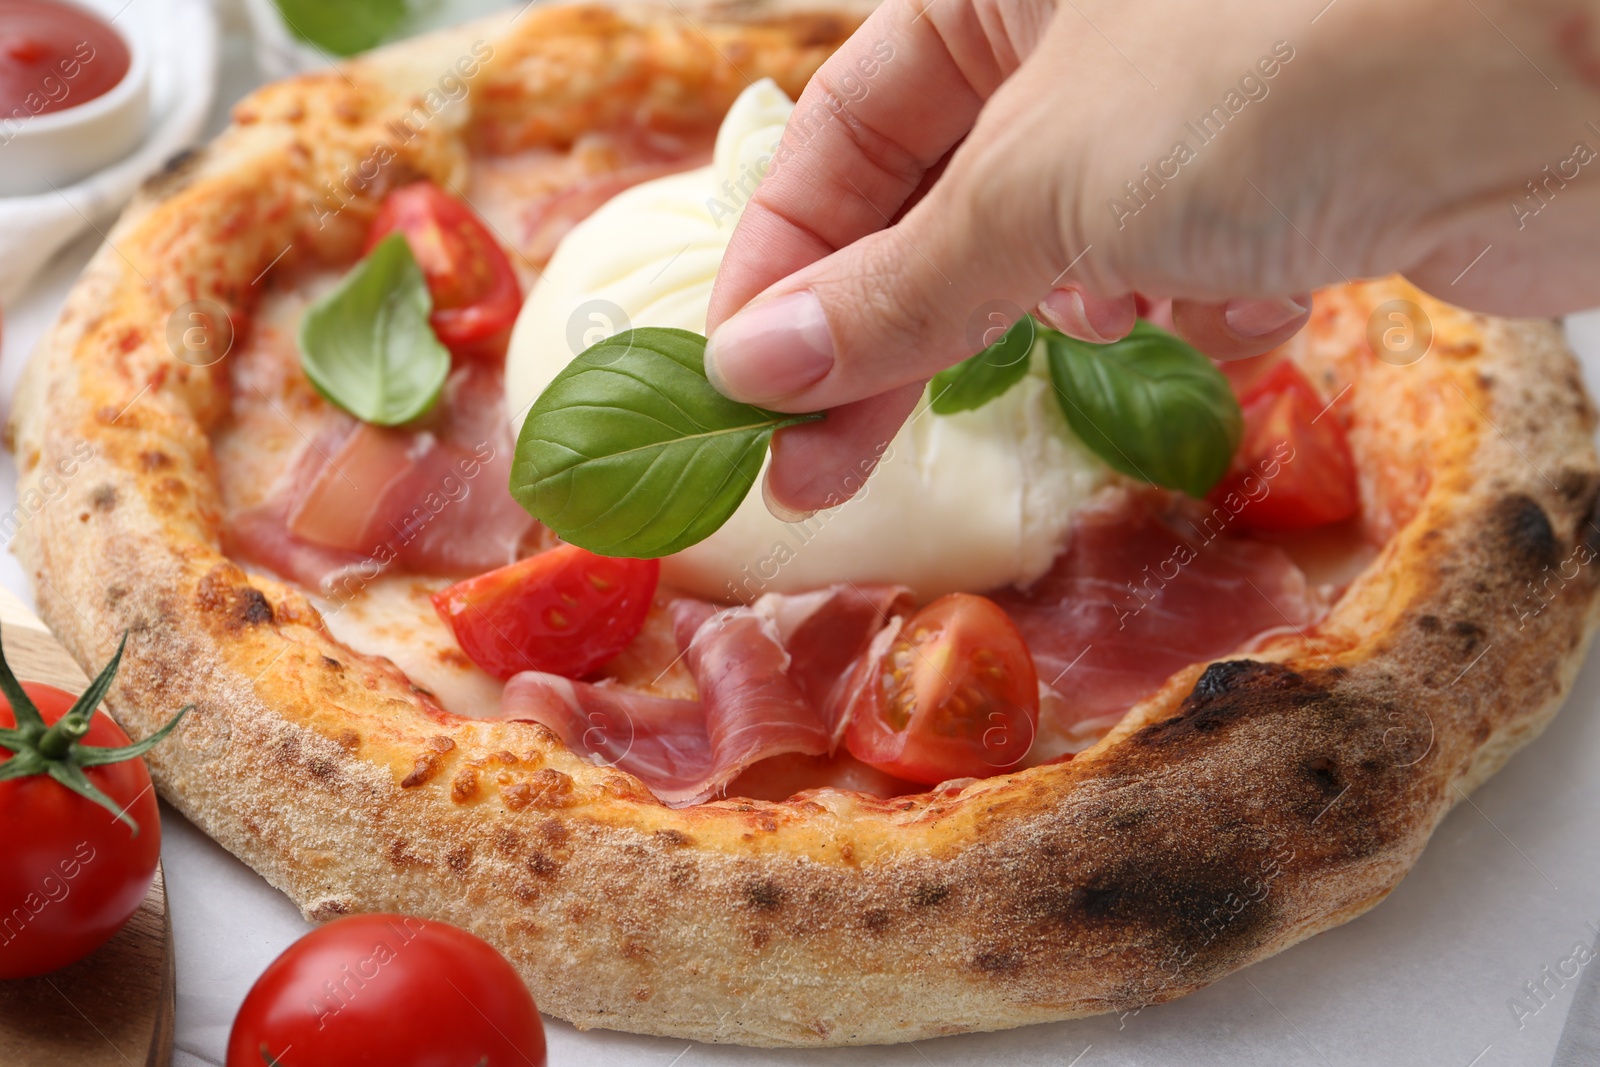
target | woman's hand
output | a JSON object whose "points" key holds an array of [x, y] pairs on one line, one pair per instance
{"points": [[959, 161]]}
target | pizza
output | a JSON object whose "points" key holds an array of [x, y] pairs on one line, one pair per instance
{"points": [[707, 795]]}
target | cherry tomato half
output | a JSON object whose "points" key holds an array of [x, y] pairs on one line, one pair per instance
{"points": [[565, 611], [475, 292], [954, 695], [72, 873], [1293, 470], [388, 991]]}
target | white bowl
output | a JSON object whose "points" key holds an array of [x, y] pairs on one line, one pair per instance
{"points": [[58, 148]]}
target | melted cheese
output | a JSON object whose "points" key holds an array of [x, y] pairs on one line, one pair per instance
{"points": [[393, 617]]}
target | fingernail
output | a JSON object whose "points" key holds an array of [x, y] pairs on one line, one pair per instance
{"points": [[1071, 316], [781, 512], [771, 350], [1258, 318]]}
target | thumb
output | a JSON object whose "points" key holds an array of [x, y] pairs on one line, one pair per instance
{"points": [[900, 304]]}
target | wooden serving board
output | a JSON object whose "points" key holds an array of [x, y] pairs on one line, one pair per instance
{"points": [[114, 1007]]}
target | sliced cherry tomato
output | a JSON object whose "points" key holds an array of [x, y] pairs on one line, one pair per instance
{"points": [[1293, 470], [954, 695], [73, 872], [475, 292], [1243, 374], [388, 991], [564, 611]]}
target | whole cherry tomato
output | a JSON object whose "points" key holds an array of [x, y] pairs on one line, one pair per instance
{"points": [[388, 991], [79, 828]]}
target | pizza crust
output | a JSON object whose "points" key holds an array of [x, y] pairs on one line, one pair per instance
{"points": [[1248, 805]]}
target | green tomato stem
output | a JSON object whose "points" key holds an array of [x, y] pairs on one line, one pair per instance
{"points": [[58, 740], [56, 751]]}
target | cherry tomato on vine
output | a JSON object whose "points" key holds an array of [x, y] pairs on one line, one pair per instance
{"points": [[388, 991], [475, 292], [953, 695], [79, 829]]}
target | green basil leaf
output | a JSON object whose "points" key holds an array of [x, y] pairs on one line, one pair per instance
{"points": [[367, 346], [343, 27], [631, 452], [979, 379], [1150, 405]]}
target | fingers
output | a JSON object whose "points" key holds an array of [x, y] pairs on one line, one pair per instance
{"points": [[849, 167], [1236, 329], [893, 308], [820, 465], [781, 346], [902, 302], [1154, 309], [894, 217], [875, 119], [1096, 319], [1240, 328]]}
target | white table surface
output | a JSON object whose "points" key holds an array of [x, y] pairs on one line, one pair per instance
{"points": [[1510, 884]]}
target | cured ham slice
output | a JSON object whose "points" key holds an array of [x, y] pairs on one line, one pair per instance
{"points": [[662, 741], [261, 533], [782, 777], [430, 500], [685, 750], [827, 629], [688, 615], [753, 708], [425, 502], [760, 672], [1144, 589], [824, 632], [372, 465]]}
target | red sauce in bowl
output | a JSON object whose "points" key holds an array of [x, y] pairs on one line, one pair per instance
{"points": [[54, 56]]}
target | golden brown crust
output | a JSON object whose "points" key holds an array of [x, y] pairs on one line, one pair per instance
{"points": [[1248, 805]]}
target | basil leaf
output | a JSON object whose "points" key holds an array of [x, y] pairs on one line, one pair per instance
{"points": [[343, 27], [367, 345], [1150, 405], [979, 379], [631, 452]]}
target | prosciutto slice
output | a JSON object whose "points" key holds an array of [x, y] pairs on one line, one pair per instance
{"points": [[765, 673], [1144, 589], [826, 631], [753, 708], [662, 741], [362, 498], [261, 533]]}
